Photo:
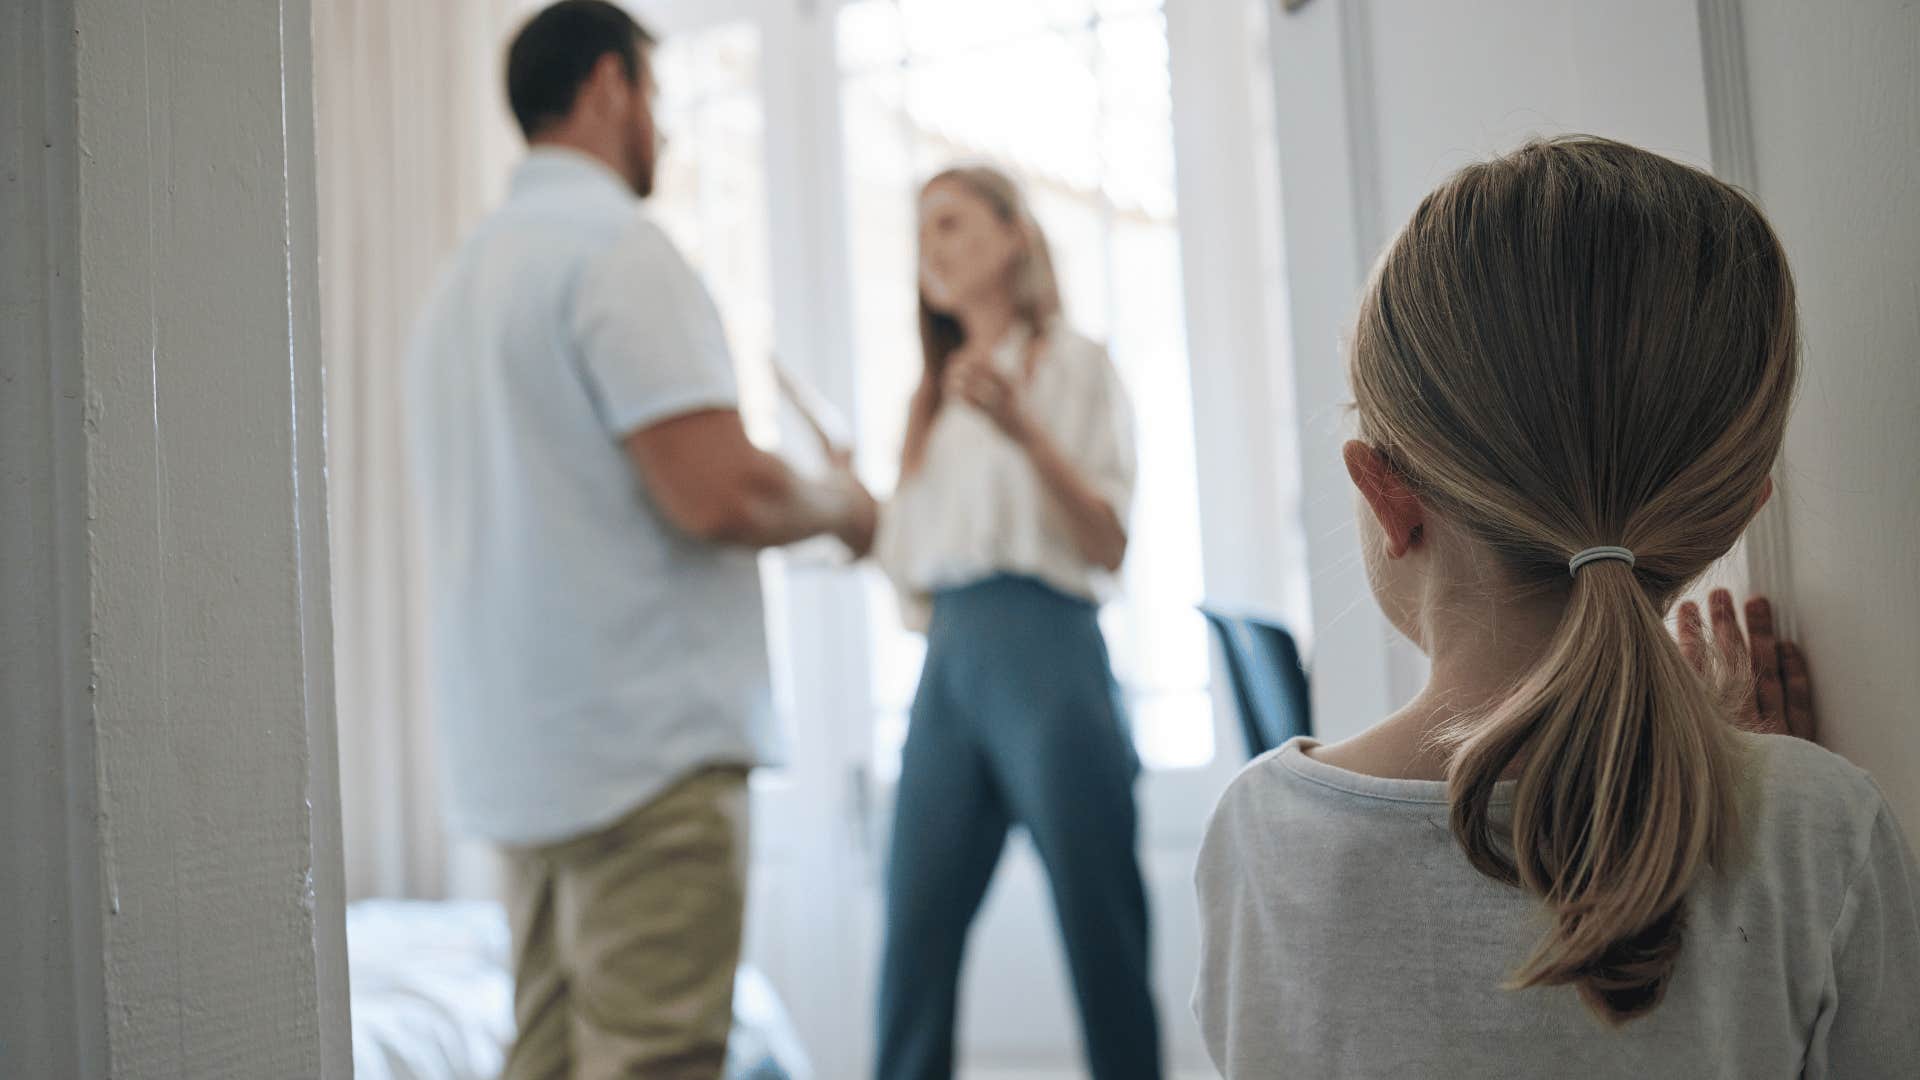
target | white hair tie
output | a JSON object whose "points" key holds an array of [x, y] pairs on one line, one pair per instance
{"points": [[1595, 554]]}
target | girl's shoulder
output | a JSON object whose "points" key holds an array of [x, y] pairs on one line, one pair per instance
{"points": [[1286, 791], [1807, 769], [1806, 803], [1807, 810]]}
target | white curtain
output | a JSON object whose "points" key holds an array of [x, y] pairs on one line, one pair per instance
{"points": [[415, 143]]}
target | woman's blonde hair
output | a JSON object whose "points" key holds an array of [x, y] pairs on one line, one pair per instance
{"points": [[1036, 293], [1583, 343]]}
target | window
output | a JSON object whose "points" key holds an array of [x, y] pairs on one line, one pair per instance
{"points": [[711, 192], [1071, 97], [710, 195]]}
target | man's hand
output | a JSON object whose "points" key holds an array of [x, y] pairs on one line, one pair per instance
{"points": [[712, 483], [862, 516], [1781, 702]]}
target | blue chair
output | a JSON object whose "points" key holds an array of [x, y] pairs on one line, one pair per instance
{"points": [[1276, 652], [1269, 682]]}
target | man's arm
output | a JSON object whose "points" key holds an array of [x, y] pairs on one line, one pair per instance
{"points": [[711, 482]]}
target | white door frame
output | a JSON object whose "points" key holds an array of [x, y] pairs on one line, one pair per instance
{"points": [[176, 717], [1330, 210]]}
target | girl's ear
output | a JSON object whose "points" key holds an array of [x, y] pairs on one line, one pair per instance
{"points": [[1394, 505]]}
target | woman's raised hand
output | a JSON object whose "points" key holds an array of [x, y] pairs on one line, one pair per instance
{"points": [[974, 380]]}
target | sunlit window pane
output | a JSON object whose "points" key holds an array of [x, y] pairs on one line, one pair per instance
{"points": [[711, 195], [871, 35], [1032, 100], [1136, 116], [942, 27]]}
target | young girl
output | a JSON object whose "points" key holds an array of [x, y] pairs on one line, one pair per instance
{"points": [[1572, 372], [1008, 521]]}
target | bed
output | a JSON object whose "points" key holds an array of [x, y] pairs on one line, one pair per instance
{"points": [[433, 998]]}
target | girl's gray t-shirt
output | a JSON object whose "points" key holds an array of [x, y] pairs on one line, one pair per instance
{"points": [[1345, 935]]}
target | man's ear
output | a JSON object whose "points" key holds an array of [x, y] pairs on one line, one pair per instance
{"points": [[1394, 505], [606, 84]]}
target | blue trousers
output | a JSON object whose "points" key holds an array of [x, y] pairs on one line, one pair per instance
{"points": [[1015, 722]]}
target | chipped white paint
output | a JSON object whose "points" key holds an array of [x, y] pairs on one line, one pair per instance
{"points": [[169, 722]]}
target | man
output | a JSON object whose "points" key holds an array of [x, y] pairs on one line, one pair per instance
{"points": [[591, 508]]}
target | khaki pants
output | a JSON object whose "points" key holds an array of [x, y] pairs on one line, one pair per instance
{"points": [[625, 940]]}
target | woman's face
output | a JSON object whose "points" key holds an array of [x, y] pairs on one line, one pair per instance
{"points": [[965, 249]]}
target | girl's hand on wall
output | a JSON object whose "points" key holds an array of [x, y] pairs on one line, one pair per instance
{"points": [[1781, 701]]}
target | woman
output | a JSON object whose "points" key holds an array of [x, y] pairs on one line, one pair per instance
{"points": [[1007, 525], [1566, 857]]}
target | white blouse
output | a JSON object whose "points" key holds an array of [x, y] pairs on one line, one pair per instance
{"points": [[977, 507]]}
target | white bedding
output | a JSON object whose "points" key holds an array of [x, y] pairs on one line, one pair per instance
{"points": [[433, 998]]}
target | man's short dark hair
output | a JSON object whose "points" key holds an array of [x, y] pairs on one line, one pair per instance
{"points": [[552, 56]]}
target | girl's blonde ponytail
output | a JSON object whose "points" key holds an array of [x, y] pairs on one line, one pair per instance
{"points": [[1586, 344]]}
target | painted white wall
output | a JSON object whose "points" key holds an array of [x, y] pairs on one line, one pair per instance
{"points": [[1835, 107], [165, 626], [1456, 83], [1378, 101]]}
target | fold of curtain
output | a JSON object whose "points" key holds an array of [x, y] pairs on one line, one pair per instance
{"points": [[414, 144]]}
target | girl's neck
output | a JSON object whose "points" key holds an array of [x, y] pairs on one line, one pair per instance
{"points": [[1478, 652]]}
